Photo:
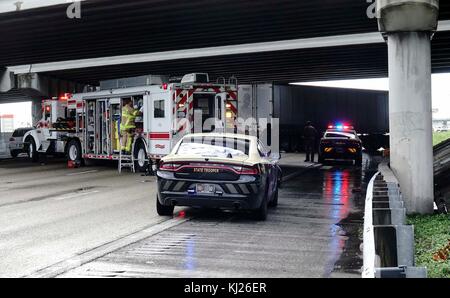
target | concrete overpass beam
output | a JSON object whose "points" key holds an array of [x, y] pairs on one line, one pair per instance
{"points": [[6, 80], [408, 26]]}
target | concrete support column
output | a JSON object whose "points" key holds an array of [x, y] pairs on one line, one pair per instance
{"points": [[6, 80], [408, 26], [410, 117]]}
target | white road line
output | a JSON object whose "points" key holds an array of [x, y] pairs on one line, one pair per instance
{"points": [[326, 167], [95, 253], [81, 173]]}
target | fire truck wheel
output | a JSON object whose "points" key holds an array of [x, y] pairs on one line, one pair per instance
{"points": [[140, 157], [74, 151], [32, 150]]}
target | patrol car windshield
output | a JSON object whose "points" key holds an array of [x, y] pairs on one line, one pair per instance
{"points": [[222, 147], [340, 135]]}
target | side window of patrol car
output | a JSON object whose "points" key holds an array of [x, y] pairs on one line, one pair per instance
{"points": [[158, 109]]}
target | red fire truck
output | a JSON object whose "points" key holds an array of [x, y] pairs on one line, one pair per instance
{"points": [[168, 112]]}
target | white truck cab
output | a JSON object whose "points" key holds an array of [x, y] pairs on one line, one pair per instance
{"points": [[49, 132]]}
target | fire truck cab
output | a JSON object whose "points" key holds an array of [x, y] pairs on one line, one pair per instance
{"points": [[168, 111]]}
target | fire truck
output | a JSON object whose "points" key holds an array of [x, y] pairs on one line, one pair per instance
{"points": [[168, 112]]}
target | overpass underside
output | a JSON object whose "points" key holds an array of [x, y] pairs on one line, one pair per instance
{"points": [[115, 28]]}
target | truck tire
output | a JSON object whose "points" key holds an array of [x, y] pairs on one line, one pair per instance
{"points": [[163, 210], [274, 202], [14, 153], [140, 157], [260, 214], [321, 159], [74, 151], [358, 161], [33, 155]]}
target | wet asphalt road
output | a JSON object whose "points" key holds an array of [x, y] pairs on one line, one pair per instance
{"points": [[314, 232], [51, 213]]}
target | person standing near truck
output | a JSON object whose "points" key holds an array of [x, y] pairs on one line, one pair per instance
{"points": [[127, 126], [309, 137]]}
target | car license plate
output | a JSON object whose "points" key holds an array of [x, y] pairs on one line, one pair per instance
{"points": [[340, 150], [205, 188]]}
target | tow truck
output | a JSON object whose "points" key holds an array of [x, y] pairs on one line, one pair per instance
{"points": [[51, 132]]}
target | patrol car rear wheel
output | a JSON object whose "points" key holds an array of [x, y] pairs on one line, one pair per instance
{"points": [[260, 214], [163, 210], [140, 158], [274, 202], [321, 159]]}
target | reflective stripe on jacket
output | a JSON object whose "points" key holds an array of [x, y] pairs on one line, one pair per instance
{"points": [[128, 117]]}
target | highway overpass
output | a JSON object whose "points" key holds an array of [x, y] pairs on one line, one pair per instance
{"points": [[256, 41]]}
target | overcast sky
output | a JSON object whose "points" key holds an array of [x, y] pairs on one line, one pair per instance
{"points": [[441, 90]]}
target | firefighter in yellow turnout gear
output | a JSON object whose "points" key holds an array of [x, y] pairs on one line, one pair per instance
{"points": [[127, 126]]}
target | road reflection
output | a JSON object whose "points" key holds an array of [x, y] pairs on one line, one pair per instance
{"points": [[337, 193]]}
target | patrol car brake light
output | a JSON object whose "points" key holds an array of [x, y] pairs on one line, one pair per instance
{"points": [[171, 167], [249, 171]]}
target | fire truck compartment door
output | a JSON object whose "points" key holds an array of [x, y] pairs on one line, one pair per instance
{"points": [[220, 112], [268, 127], [157, 108]]}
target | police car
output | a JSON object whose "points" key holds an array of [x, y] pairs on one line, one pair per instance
{"points": [[225, 171], [340, 142]]}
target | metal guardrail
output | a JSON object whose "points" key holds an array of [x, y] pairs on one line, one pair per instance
{"points": [[441, 158], [388, 249], [369, 256], [441, 176]]}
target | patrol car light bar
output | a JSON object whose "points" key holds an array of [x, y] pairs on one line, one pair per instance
{"points": [[340, 126]]}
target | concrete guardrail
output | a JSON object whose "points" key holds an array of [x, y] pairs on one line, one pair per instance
{"points": [[388, 244]]}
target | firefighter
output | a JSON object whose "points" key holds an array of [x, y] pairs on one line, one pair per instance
{"points": [[309, 136], [127, 125]]}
